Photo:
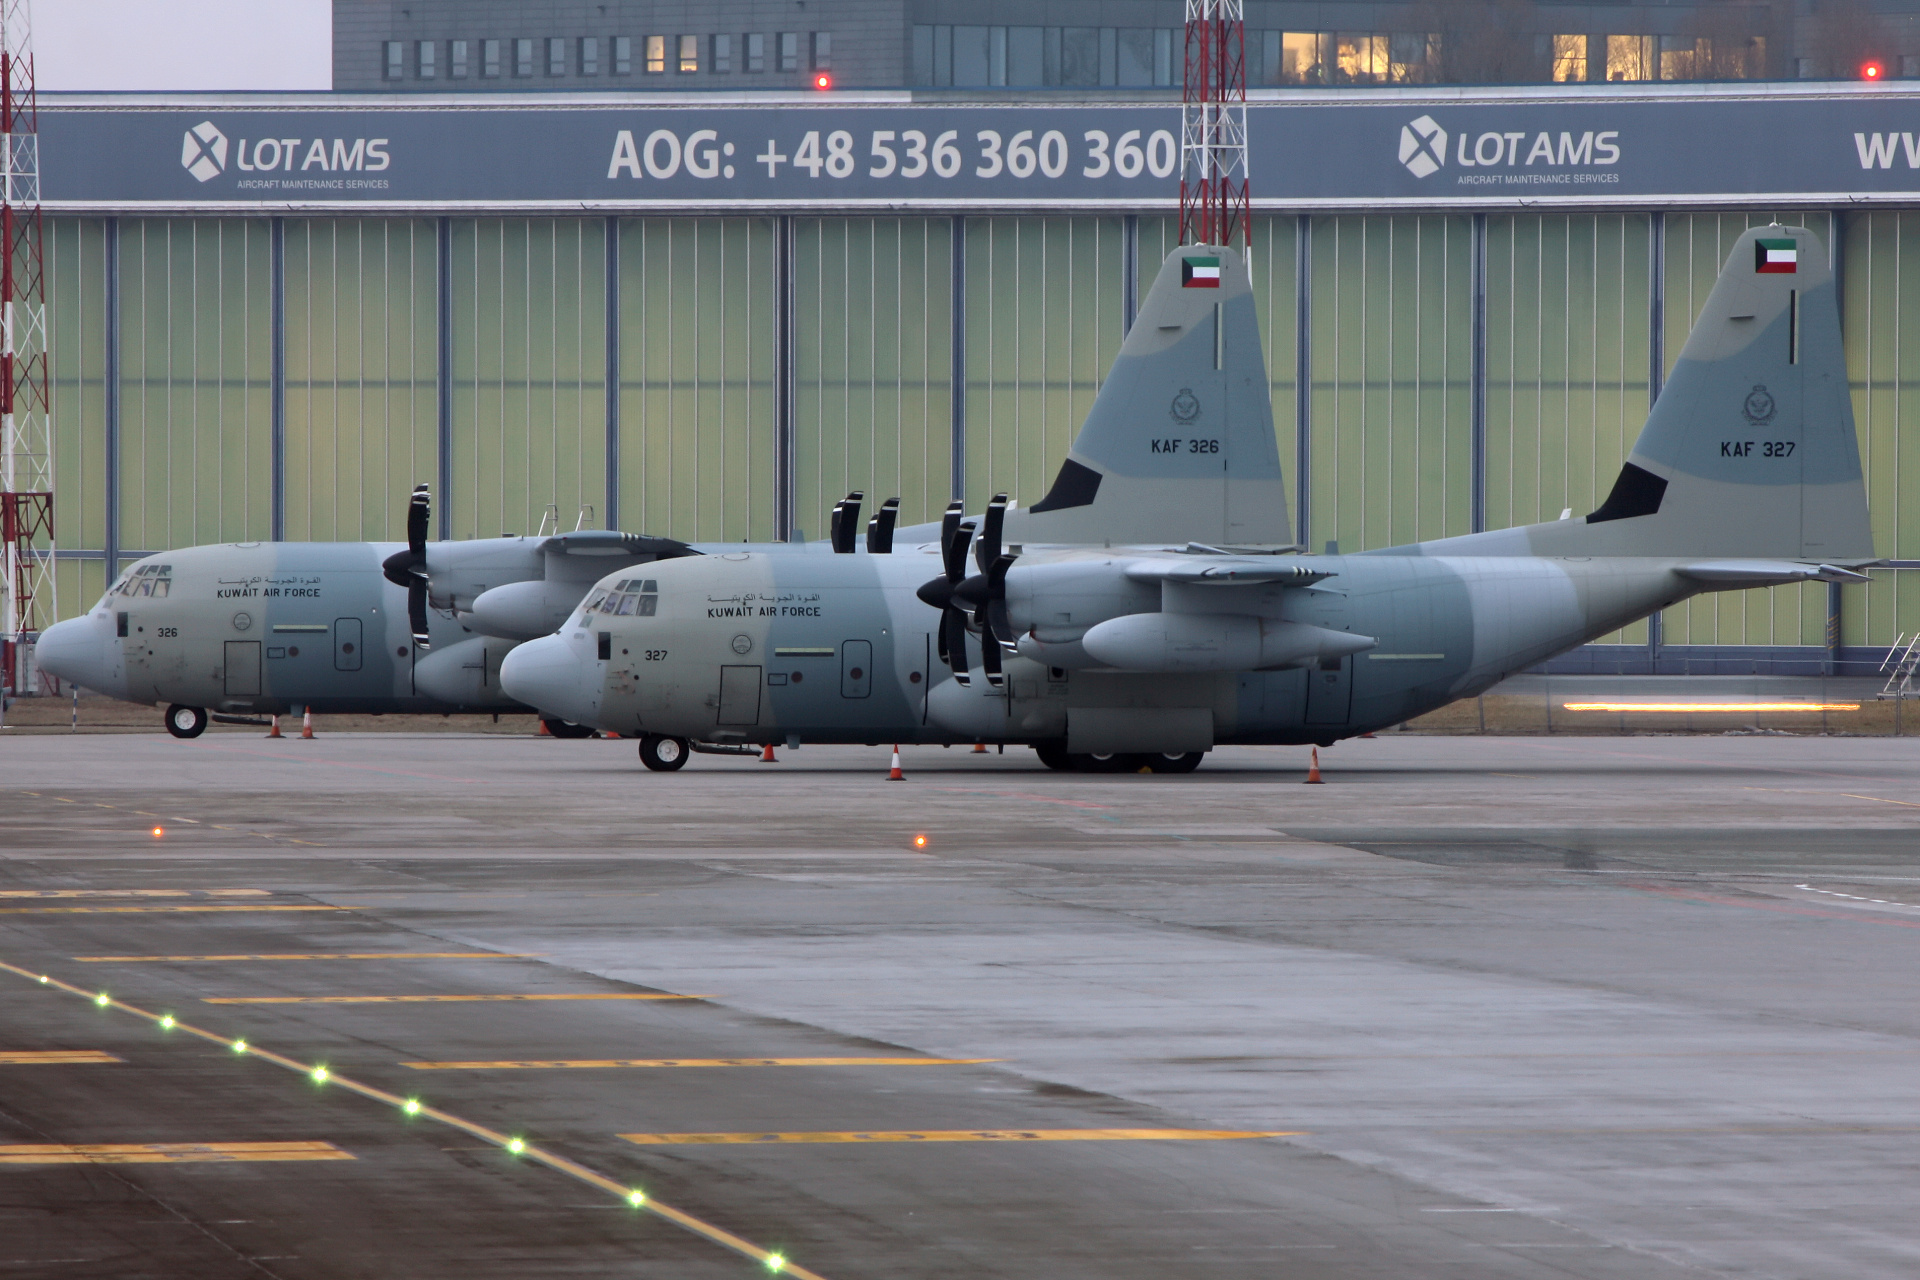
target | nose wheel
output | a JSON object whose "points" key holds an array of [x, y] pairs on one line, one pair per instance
{"points": [[186, 722], [662, 754]]}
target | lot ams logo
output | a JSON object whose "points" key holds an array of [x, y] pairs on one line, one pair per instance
{"points": [[1423, 149], [203, 153]]}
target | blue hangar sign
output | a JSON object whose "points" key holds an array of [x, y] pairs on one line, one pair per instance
{"points": [[1608, 145]]}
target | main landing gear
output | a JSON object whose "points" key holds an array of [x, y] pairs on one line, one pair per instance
{"points": [[1055, 755], [186, 722], [566, 728], [663, 754]]}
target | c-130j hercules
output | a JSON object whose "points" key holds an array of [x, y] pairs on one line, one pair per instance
{"points": [[1151, 606]]}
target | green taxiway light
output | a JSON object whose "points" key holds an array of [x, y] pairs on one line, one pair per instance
{"points": [[775, 1261], [319, 1075], [636, 1198], [101, 999], [411, 1106], [516, 1145], [166, 1022], [44, 978], [239, 1046]]}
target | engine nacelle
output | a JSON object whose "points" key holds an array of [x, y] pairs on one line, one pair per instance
{"points": [[1215, 642], [1067, 596], [466, 675], [525, 610]]}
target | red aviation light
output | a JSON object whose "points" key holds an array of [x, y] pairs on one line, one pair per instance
{"points": [[823, 81], [1872, 71]]}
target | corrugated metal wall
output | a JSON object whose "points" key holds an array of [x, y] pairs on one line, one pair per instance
{"points": [[1463, 371]]}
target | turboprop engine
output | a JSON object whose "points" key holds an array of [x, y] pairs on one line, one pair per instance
{"points": [[1180, 642]]}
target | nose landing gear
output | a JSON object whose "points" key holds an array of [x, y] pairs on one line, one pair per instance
{"points": [[663, 754], [186, 722]]}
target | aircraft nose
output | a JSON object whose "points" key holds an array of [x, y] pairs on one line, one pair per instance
{"points": [[550, 676], [84, 651]]}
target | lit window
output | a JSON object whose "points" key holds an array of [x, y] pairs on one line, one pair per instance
{"points": [[1359, 58], [489, 59], [589, 55], [424, 51], [1678, 56], [523, 58], [1303, 57], [721, 60], [556, 56], [823, 52], [1629, 58], [1569, 59], [396, 59], [756, 52], [689, 59], [457, 60], [656, 55], [789, 50], [623, 55]]}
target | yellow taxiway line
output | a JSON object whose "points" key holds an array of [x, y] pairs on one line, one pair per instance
{"points": [[132, 893], [439, 999], [334, 955], [320, 1074], [53, 1057], [958, 1135], [167, 1152], [251, 906], [695, 1062]]}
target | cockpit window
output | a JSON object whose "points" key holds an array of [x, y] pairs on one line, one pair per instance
{"points": [[630, 597]]}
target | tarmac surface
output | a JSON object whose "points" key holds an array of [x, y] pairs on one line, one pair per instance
{"points": [[1478, 1007]]}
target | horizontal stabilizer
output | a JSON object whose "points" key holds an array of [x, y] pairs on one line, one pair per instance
{"points": [[1760, 573]]}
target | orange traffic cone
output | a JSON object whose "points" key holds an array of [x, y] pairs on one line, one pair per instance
{"points": [[1313, 770], [894, 774], [979, 748], [306, 722], [767, 756], [542, 731], [274, 731]]}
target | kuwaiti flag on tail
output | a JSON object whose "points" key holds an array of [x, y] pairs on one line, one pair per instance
{"points": [[1775, 257], [1204, 273]]}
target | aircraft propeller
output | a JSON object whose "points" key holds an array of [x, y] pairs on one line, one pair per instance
{"points": [[409, 568], [983, 596], [845, 519]]}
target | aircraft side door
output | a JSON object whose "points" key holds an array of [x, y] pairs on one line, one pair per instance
{"points": [[243, 668], [1330, 691], [739, 695], [346, 644]]}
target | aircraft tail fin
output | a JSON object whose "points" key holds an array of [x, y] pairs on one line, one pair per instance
{"points": [[1750, 450], [1179, 445]]}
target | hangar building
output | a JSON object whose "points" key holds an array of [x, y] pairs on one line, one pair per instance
{"points": [[709, 313]]}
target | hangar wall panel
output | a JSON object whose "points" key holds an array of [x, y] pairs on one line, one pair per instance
{"points": [[195, 381], [528, 388], [1392, 360], [77, 300], [1045, 317], [1880, 316], [1697, 245], [697, 395], [362, 360], [873, 365], [1568, 320]]}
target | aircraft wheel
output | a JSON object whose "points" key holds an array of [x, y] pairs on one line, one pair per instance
{"points": [[186, 722], [663, 754], [566, 728], [1174, 761], [1053, 755]]}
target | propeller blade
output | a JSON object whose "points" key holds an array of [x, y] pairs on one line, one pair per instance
{"points": [[990, 656], [880, 528], [955, 553], [847, 520], [950, 524], [417, 612], [953, 634], [419, 518], [996, 607], [987, 550], [833, 524]]}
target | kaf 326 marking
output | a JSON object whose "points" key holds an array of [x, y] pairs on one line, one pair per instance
{"points": [[1177, 445]]}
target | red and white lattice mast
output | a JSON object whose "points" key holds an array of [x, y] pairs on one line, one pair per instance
{"points": [[28, 597], [1214, 202]]}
